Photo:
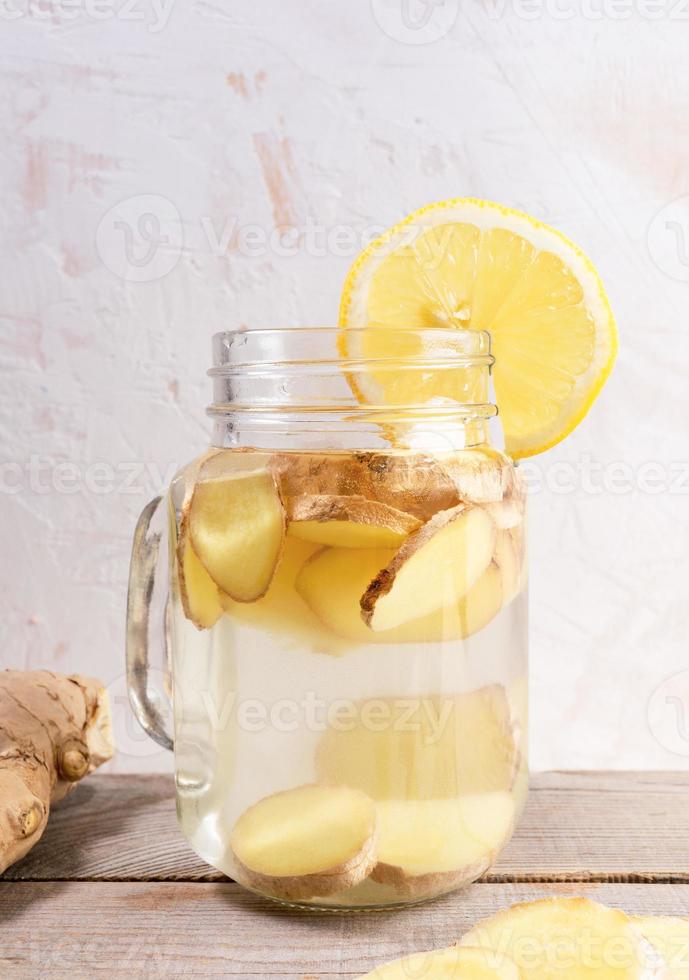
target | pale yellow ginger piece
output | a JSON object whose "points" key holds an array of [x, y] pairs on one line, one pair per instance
{"points": [[198, 592], [430, 846], [283, 611], [518, 533], [506, 514], [572, 938], [456, 963], [312, 841], [348, 522], [54, 730], [332, 582], [669, 935], [480, 476], [478, 606], [507, 560], [237, 529], [435, 567], [425, 748]]}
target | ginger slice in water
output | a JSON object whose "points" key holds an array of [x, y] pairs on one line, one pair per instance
{"points": [[572, 938], [669, 936], [306, 842], [330, 474], [411, 482], [348, 522], [519, 541], [435, 567], [237, 529], [283, 611], [422, 748], [507, 560], [429, 846], [420, 484], [197, 590], [332, 582], [506, 514], [480, 476], [457, 963], [423, 484]]}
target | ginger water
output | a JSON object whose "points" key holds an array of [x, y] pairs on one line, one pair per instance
{"points": [[349, 669]]}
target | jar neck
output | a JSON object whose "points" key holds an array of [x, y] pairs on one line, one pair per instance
{"points": [[319, 433], [295, 390]]}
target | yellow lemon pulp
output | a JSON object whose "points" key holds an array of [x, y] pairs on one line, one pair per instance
{"points": [[469, 264]]}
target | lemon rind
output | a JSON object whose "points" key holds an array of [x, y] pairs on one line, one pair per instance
{"points": [[482, 214]]}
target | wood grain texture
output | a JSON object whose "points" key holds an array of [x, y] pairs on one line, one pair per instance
{"points": [[577, 827], [87, 930], [114, 890]]}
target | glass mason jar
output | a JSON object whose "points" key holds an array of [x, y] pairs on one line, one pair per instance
{"points": [[341, 608]]}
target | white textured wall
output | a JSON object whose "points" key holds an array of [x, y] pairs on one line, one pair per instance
{"points": [[240, 117]]}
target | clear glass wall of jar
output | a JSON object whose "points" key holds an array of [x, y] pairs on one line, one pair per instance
{"points": [[346, 623]]}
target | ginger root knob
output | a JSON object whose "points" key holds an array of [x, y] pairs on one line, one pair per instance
{"points": [[29, 820], [73, 760]]}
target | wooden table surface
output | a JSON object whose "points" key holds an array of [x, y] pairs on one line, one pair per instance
{"points": [[113, 889]]}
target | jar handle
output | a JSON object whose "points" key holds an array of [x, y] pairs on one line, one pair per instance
{"points": [[147, 624]]}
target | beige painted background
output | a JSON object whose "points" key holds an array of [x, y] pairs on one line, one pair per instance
{"points": [[183, 134]]}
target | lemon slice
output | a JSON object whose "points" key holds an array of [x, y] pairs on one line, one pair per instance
{"points": [[470, 264]]}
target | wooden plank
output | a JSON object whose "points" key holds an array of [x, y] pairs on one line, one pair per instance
{"points": [[115, 828], [577, 826], [601, 826], [87, 930]]}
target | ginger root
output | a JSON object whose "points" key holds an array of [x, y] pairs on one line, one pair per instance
{"points": [[54, 730]]}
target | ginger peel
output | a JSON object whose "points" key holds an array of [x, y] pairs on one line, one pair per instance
{"points": [[54, 730]]}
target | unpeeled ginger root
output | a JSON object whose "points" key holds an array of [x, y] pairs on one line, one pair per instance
{"points": [[54, 730]]}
